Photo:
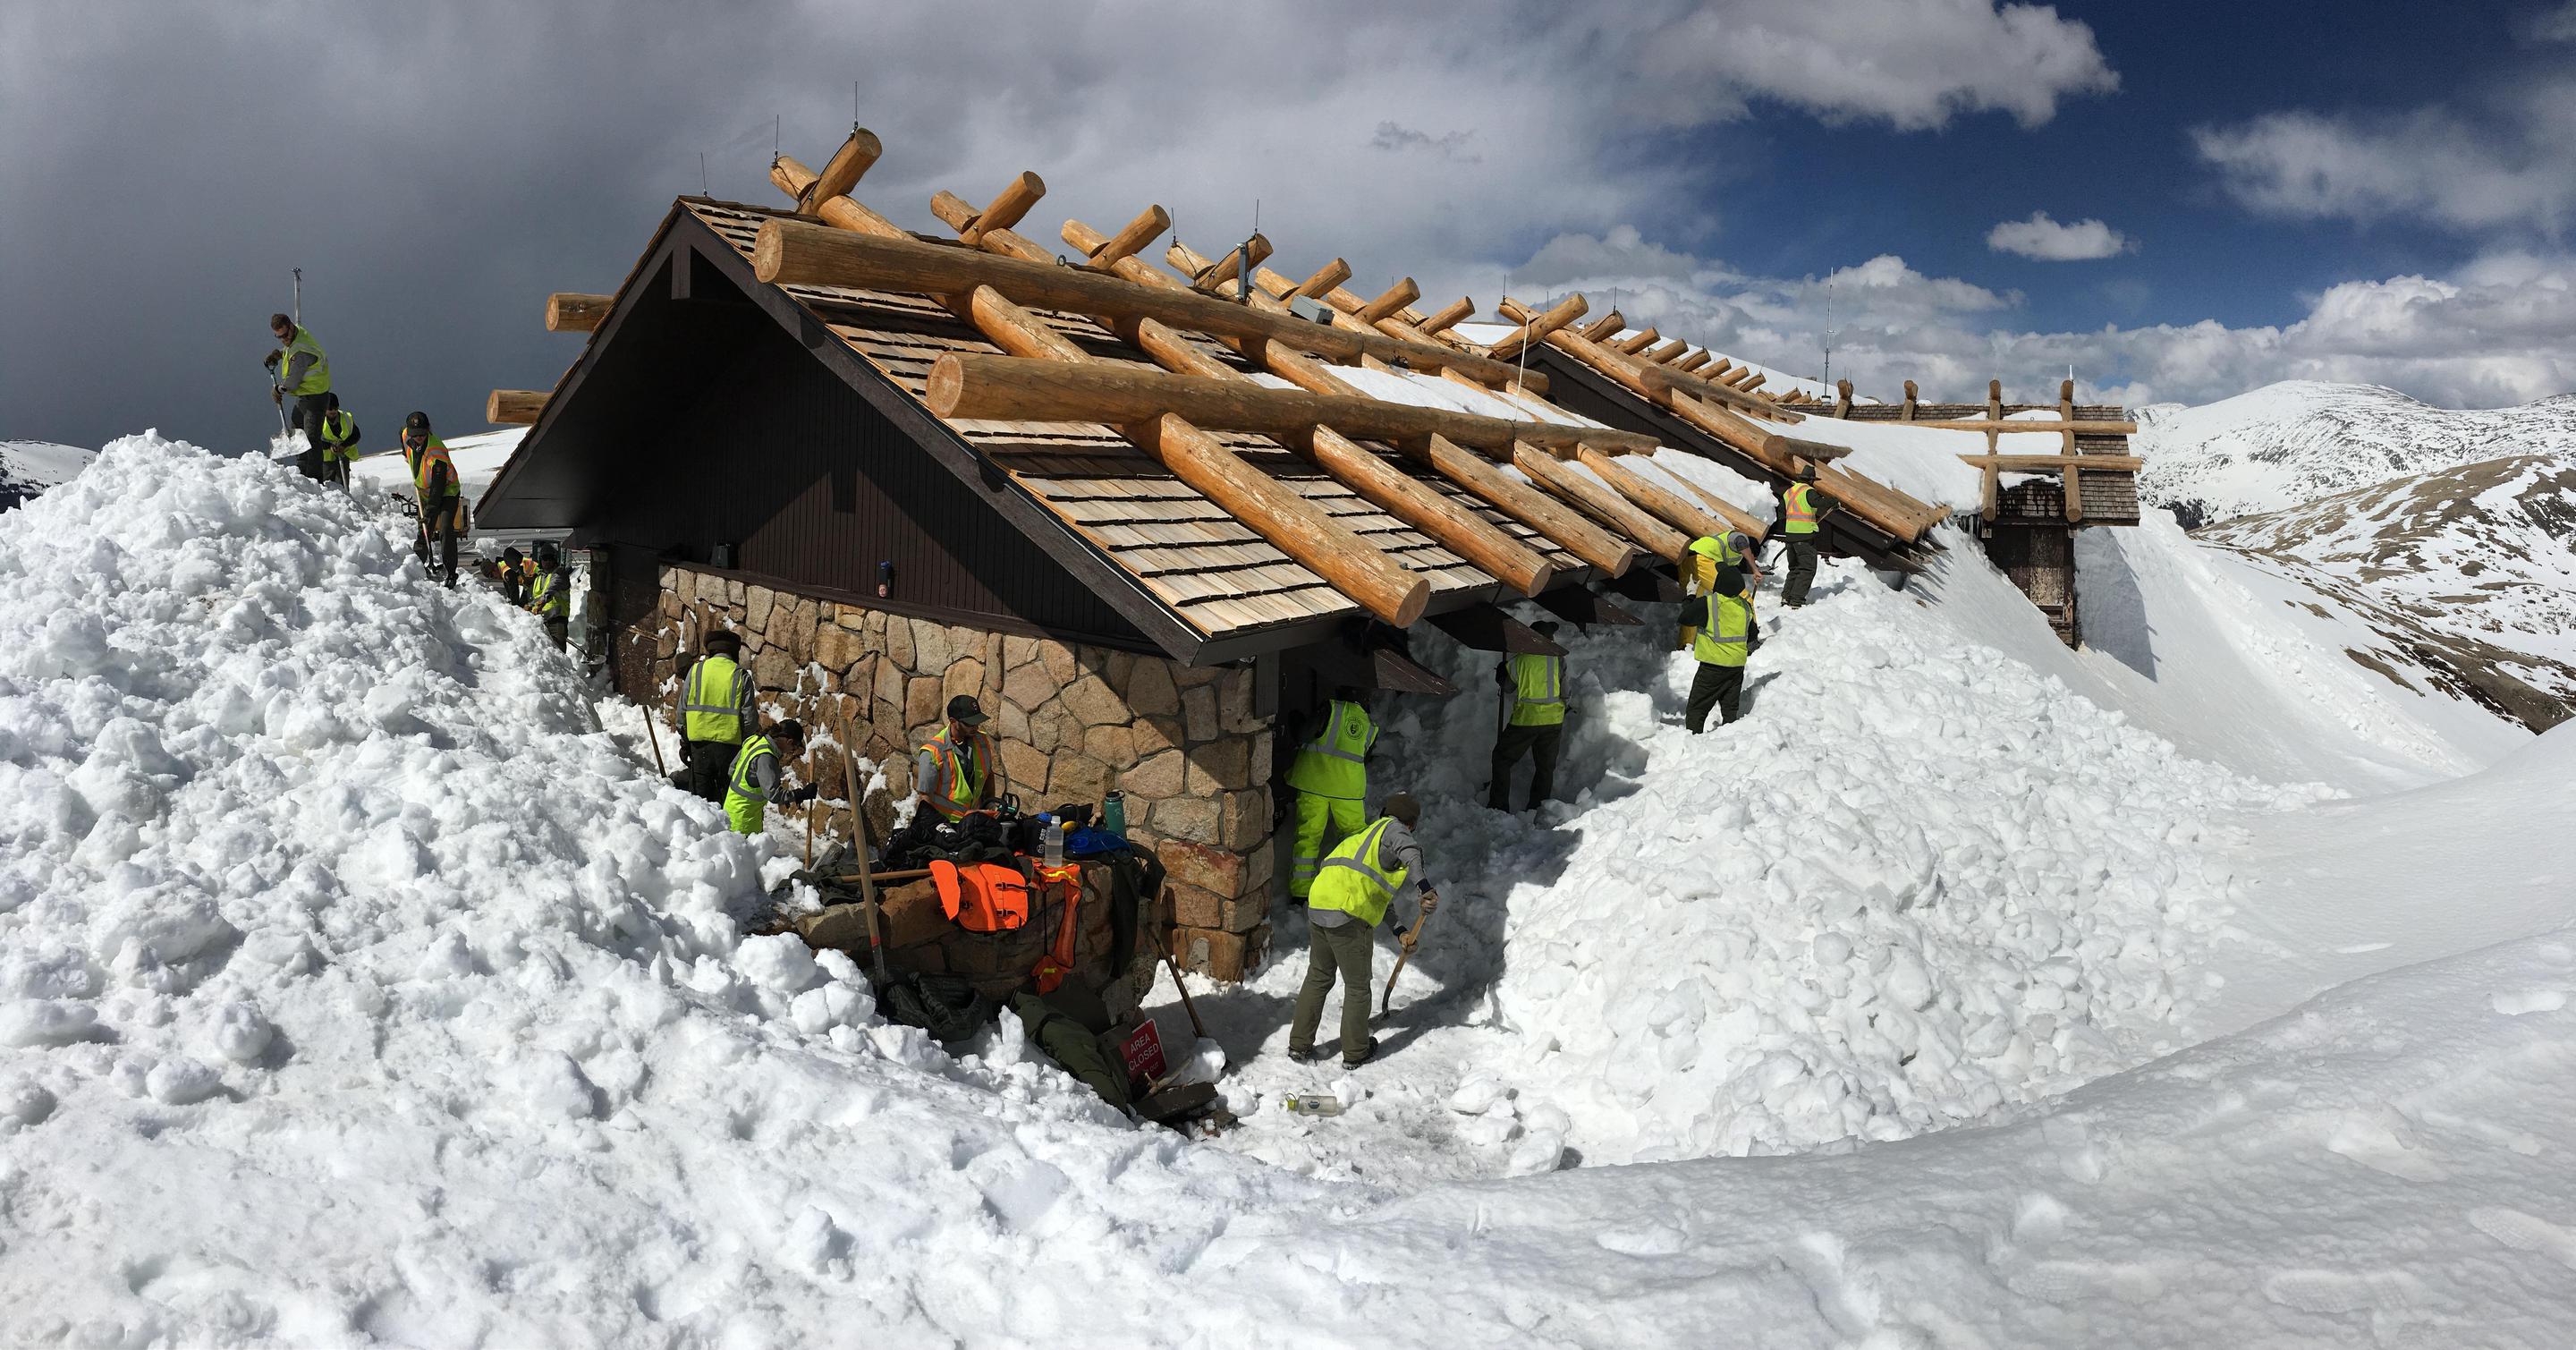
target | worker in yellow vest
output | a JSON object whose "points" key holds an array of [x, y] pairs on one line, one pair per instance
{"points": [[441, 496], [1330, 778], [715, 714], [1802, 511], [1708, 554], [758, 779], [339, 441], [1533, 722], [1724, 641], [303, 371], [516, 573], [1358, 881], [954, 774], [550, 594]]}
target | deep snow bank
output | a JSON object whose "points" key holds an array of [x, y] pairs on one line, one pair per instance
{"points": [[352, 986]]}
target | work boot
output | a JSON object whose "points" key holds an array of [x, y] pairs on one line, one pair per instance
{"points": [[1305, 1056], [1354, 1059]]}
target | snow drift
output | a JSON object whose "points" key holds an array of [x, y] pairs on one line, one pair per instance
{"points": [[353, 987]]}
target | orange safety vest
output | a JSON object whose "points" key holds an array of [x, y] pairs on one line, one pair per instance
{"points": [[951, 795], [982, 897], [1800, 515]]}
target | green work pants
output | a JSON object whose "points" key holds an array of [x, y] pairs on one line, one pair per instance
{"points": [[1344, 952], [1541, 745], [1718, 689]]}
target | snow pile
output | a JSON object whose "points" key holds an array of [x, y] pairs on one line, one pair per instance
{"points": [[1918, 882], [352, 986], [478, 460]]}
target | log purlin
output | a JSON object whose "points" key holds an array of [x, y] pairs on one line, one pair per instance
{"points": [[1286, 519]]}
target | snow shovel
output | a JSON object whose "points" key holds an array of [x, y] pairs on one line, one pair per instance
{"points": [[1198, 1028], [1411, 937]]}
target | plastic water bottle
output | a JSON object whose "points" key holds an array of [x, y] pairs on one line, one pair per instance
{"points": [[1312, 1104], [1113, 814], [1054, 843]]}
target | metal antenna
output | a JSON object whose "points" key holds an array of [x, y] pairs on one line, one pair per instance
{"points": [[1829, 334], [703, 189], [854, 105], [299, 297]]}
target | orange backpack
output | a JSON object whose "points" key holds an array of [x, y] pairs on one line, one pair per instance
{"points": [[982, 897]]}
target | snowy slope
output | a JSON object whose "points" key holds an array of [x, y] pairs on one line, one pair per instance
{"points": [[28, 468], [354, 988], [2293, 442], [2470, 573]]}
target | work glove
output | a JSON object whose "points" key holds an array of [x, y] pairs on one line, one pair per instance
{"points": [[277, 394], [269, 361], [805, 794], [1430, 902]]}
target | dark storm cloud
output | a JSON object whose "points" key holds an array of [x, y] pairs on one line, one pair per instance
{"points": [[437, 168]]}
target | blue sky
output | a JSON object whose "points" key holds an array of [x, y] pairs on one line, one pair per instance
{"points": [[2355, 191]]}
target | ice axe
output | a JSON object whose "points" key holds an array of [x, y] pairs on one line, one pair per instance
{"points": [[1412, 936]]}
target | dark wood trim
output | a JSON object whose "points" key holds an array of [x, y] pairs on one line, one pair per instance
{"points": [[1174, 635]]}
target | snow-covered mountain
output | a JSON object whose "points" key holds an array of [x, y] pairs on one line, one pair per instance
{"points": [[2470, 570], [2290, 443], [27, 468]]}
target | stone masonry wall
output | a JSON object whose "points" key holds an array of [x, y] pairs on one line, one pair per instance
{"points": [[1070, 723]]}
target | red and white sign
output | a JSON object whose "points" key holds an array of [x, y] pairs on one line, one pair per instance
{"points": [[1144, 1053]]}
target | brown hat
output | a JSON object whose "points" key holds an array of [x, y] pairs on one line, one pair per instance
{"points": [[1404, 808]]}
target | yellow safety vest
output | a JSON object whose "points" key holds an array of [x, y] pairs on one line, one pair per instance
{"points": [[1351, 879], [317, 379], [549, 596], [1335, 764], [1539, 681], [1800, 511], [717, 719], [956, 786], [1725, 631], [339, 435], [745, 805]]}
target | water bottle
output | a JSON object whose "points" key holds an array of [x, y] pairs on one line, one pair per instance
{"points": [[1113, 814], [1054, 843], [1312, 1104]]}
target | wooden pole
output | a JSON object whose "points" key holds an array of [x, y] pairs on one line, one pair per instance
{"points": [[515, 407], [1399, 494], [1906, 413], [867, 868], [1388, 301], [1279, 514], [2032, 426], [1664, 506], [791, 252], [1665, 353], [1147, 227], [1510, 496], [575, 312], [843, 170], [1448, 316], [1695, 360], [975, 386], [1591, 495], [1007, 208], [2055, 463], [1607, 326], [1733, 515], [1842, 398], [1326, 277], [1536, 328], [1636, 342]]}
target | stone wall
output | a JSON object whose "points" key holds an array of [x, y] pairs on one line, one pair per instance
{"points": [[1071, 722]]}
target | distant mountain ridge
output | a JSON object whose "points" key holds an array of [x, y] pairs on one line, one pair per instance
{"points": [[2288, 444], [2471, 571], [27, 468]]}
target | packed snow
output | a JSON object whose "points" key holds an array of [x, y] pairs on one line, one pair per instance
{"points": [[478, 459], [355, 987]]}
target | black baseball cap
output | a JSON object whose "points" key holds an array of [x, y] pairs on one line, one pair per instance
{"points": [[964, 708]]}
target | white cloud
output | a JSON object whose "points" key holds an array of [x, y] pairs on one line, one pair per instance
{"points": [[2514, 167], [1914, 65], [2044, 238], [2557, 25], [2488, 334]]}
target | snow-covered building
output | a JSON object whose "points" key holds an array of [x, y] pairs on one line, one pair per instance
{"points": [[1150, 518]]}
